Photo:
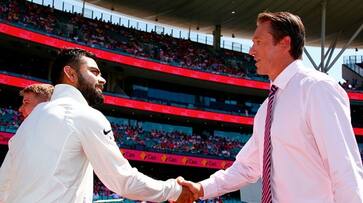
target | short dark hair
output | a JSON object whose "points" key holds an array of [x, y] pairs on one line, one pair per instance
{"points": [[67, 57], [286, 24]]}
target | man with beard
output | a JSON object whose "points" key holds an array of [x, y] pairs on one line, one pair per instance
{"points": [[52, 156]]}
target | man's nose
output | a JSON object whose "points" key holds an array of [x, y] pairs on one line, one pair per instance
{"points": [[20, 109], [252, 51], [102, 80]]}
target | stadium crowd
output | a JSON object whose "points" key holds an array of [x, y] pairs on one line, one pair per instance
{"points": [[242, 107], [105, 35], [353, 85], [10, 120], [130, 41], [159, 47], [174, 142], [166, 141], [131, 136], [135, 137]]}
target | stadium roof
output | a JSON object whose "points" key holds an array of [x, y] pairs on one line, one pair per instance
{"points": [[238, 17]]}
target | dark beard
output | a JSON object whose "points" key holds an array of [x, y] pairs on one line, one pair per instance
{"points": [[89, 92]]}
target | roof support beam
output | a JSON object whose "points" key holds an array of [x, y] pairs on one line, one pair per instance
{"points": [[217, 37], [83, 7], [324, 65], [345, 46], [323, 25], [329, 52], [326, 54], [310, 59], [332, 49]]}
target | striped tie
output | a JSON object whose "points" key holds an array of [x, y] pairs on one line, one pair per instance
{"points": [[266, 173]]}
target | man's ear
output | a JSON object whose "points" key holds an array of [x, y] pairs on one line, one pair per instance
{"points": [[70, 74], [285, 42]]}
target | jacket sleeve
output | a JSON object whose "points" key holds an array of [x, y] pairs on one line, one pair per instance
{"points": [[328, 115], [5, 177], [114, 170]]}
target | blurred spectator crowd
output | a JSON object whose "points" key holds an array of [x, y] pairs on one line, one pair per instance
{"points": [[10, 120], [352, 85], [133, 137], [174, 142], [105, 35]]}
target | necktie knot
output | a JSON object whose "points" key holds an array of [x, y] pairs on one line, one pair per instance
{"points": [[273, 89]]}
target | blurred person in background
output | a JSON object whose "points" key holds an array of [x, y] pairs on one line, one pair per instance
{"points": [[33, 95]]}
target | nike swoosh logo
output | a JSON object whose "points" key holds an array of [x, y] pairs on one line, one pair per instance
{"points": [[106, 132]]}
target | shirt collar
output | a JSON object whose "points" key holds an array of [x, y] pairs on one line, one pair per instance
{"points": [[64, 90], [284, 77]]}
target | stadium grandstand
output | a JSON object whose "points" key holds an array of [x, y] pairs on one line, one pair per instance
{"points": [[177, 107]]}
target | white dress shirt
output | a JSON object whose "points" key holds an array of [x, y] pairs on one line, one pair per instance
{"points": [[51, 156], [315, 157]]}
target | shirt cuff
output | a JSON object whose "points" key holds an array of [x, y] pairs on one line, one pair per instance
{"points": [[177, 191], [209, 187]]}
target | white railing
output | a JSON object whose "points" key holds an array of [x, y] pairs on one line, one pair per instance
{"points": [[352, 61]]}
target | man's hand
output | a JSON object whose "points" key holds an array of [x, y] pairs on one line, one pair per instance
{"points": [[185, 196], [195, 188]]}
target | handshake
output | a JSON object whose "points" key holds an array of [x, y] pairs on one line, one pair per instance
{"points": [[191, 191]]}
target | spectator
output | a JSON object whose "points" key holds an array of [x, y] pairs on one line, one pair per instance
{"points": [[33, 95]]}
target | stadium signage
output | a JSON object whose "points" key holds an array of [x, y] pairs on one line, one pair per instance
{"points": [[175, 159]]}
